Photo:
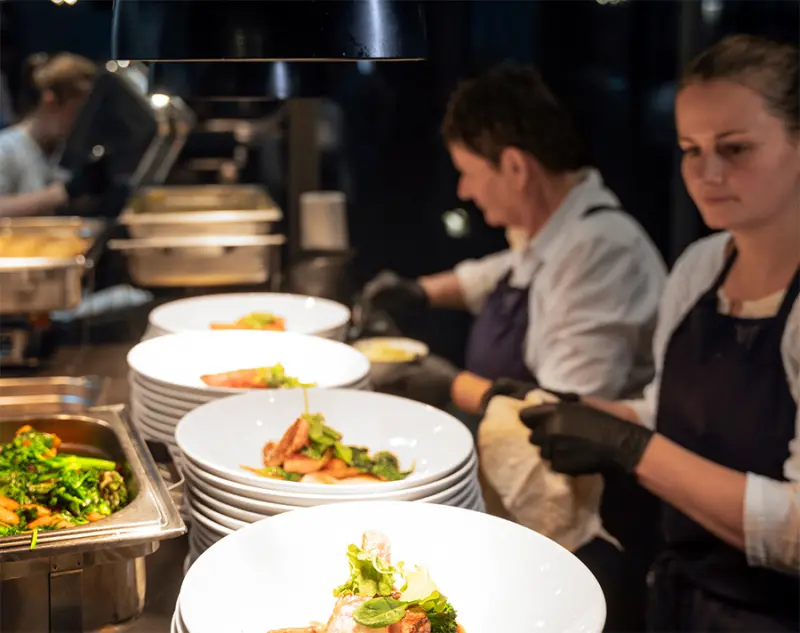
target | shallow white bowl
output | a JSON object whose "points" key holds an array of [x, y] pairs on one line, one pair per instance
{"points": [[177, 361], [515, 581], [365, 345], [280, 500], [224, 435], [304, 315]]}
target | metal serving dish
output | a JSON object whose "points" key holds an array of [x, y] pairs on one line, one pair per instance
{"points": [[47, 396], [202, 210], [43, 284], [89, 577], [198, 261]]}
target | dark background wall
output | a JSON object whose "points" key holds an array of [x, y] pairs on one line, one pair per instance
{"points": [[615, 64]]}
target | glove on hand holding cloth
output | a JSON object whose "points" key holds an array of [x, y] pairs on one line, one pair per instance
{"points": [[565, 509], [577, 439]]}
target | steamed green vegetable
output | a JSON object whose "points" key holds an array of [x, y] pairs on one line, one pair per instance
{"points": [[41, 489]]}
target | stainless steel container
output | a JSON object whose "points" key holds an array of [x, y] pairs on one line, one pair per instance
{"points": [[91, 577], [57, 394], [43, 284], [212, 260], [203, 210]]}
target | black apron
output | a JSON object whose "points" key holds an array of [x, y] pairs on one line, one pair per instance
{"points": [[496, 349], [724, 395]]}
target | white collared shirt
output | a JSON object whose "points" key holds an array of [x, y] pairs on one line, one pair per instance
{"points": [[24, 167], [772, 508], [595, 285]]}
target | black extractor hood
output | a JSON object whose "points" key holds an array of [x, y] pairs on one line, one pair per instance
{"points": [[268, 30], [245, 81]]}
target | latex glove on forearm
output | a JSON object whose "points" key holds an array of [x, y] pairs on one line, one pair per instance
{"points": [[404, 301], [578, 440], [428, 380]]}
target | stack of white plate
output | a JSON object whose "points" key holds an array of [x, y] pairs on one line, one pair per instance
{"points": [[217, 439], [303, 315], [165, 372], [499, 577]]}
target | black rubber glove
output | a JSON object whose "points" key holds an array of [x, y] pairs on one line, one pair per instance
{"points": [[580, 440], [401, 299], [519, 389], [427, 380], [92, 179]]}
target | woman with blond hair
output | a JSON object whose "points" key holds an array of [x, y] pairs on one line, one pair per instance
{"points": [[717, 436], [29, 184]]}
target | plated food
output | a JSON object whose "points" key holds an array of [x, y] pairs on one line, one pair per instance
{"points": [[391, 349], [256, 378], [385, 598], [254, 321], [312, 452], [42, 489]]}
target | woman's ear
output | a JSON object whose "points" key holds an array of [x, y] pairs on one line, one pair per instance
{"points": [[48, 98]]}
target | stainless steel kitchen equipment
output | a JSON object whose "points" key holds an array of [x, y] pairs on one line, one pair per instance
{"points": [[203, 260], [42, 284], [33, 286], [48, 395], [91, 577], [204, 210]]}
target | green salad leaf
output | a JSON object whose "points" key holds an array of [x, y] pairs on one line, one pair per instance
{"points": [[369, 575], [386, 466], [384, 611]]}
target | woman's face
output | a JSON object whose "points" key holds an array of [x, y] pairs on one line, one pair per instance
{"points": [[740, 164]]}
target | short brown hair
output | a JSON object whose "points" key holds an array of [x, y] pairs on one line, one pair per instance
{"points": [[63, 74], [769, 68], [511, 106]]}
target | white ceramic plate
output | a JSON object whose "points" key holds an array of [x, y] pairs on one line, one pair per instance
{"points": [[177, 361], [517, 581], [224, 435], [278, 501], [304, 315]]}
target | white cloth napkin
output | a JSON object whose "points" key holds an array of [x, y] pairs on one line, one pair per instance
{"points": [[565, 509]]}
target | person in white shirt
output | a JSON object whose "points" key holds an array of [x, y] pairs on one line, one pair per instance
{"points": [[29, 184], [574, 309], [717, 435]]}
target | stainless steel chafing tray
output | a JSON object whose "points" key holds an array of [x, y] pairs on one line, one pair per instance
{"points": [[202, 210], [89, 577], [202, 260], [44, 284], [58, 394]]}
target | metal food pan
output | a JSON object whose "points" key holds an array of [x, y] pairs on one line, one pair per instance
{"points": [[149, 517], [43, 284], [201, 261], [47, 396], [205, 210]]}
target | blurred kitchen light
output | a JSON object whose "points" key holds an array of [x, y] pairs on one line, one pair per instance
{"points": [[159, 100], [456, 223]]}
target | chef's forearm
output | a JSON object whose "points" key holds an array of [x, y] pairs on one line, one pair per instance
{"points": [[443, 290], [617, 409], [709, 493], [42, 202], [468, 390]]}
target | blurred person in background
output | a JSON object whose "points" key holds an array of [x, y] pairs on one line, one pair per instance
{"points": [[29, 182], [573, 306], [570, 306], [717, 436]]}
